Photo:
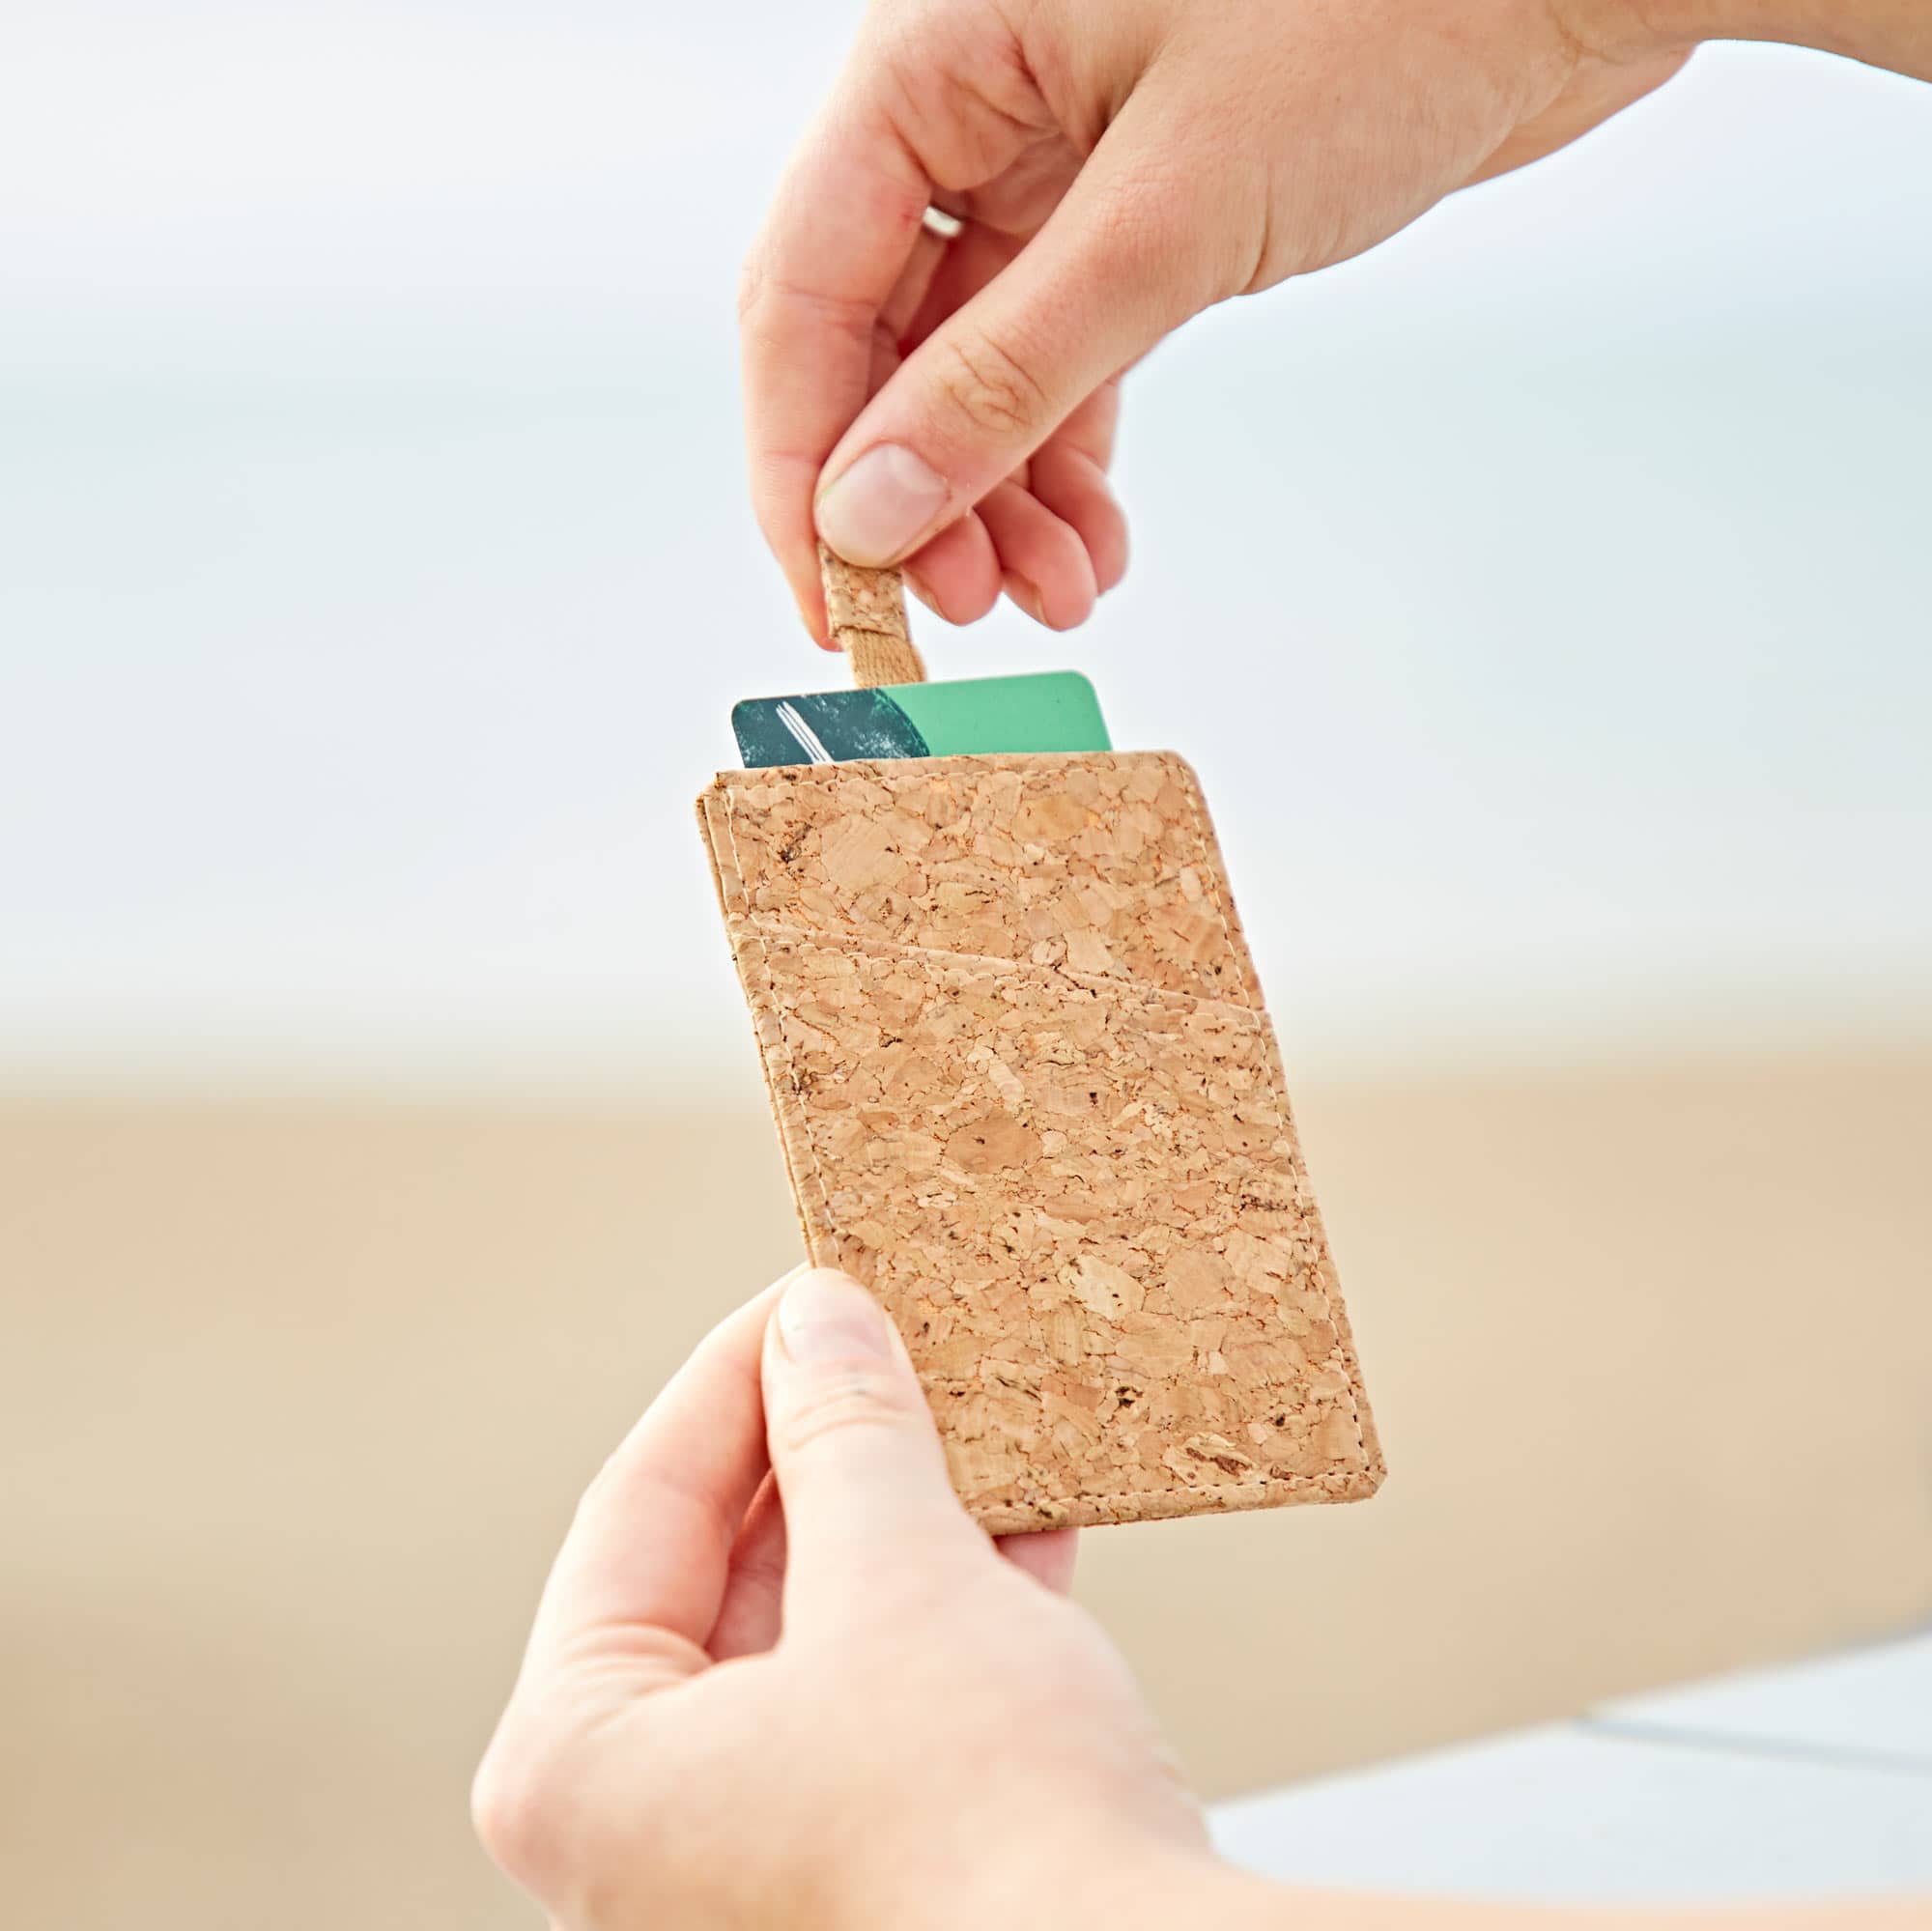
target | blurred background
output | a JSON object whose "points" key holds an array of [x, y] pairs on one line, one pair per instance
{"points": [[380, 1121]]}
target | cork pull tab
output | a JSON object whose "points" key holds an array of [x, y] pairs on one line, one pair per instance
{"points": [[867, 609]]}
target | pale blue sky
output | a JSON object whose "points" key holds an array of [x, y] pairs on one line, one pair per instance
{"points": [[368, 439]]}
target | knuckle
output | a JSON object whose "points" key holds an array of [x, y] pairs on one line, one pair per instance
{"points": [[750, 284], [610, 1472], [514, 1805], [989, 387], [775, 308], [848, 1397]]}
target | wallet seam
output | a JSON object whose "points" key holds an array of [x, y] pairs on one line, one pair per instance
{"points": [[1339, 1487], [791, 1064], [769, 925], [1244, 962]]}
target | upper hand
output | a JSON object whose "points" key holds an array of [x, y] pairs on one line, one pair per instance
{"points": [[1119, 168]]}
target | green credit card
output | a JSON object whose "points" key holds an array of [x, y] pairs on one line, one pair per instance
{"points": [[1048, 710]]}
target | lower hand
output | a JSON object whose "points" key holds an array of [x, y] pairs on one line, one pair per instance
{"points": [[812, 1694], [779, 1677]]}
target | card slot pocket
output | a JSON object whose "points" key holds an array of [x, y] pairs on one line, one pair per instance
{"points": [[1081, 1202], [1096, 862]]}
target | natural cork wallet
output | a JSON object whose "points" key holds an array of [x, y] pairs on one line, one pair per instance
{"points": [[1027, 1092]]}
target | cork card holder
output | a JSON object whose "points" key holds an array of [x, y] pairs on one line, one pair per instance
{"points": [[1028, 1095]]}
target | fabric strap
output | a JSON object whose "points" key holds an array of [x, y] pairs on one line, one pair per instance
{"points": [[867, 614]]}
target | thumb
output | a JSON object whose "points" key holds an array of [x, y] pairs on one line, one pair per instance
{"points": [[1121, 261], [853, 1447]]}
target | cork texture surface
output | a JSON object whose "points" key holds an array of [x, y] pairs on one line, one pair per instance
{"points": [[1027, 1092]]}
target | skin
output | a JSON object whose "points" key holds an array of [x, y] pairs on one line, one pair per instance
{"points": [[1087, 149], [779, 1677]]}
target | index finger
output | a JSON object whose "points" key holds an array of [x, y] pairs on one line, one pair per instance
{"points": [[839, 233]]}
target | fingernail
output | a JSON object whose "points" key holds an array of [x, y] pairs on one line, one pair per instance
{"points": [[875, 511], [826, 1316], [1025, 596]]}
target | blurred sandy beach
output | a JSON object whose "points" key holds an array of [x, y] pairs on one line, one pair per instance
{"points": [[297, 1399]]}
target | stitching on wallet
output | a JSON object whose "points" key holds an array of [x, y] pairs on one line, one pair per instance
{"points": [[1210, 863], [805, 938]]}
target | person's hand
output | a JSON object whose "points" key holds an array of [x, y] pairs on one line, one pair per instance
{"points": [[1117, 168], [821, 1699]]}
